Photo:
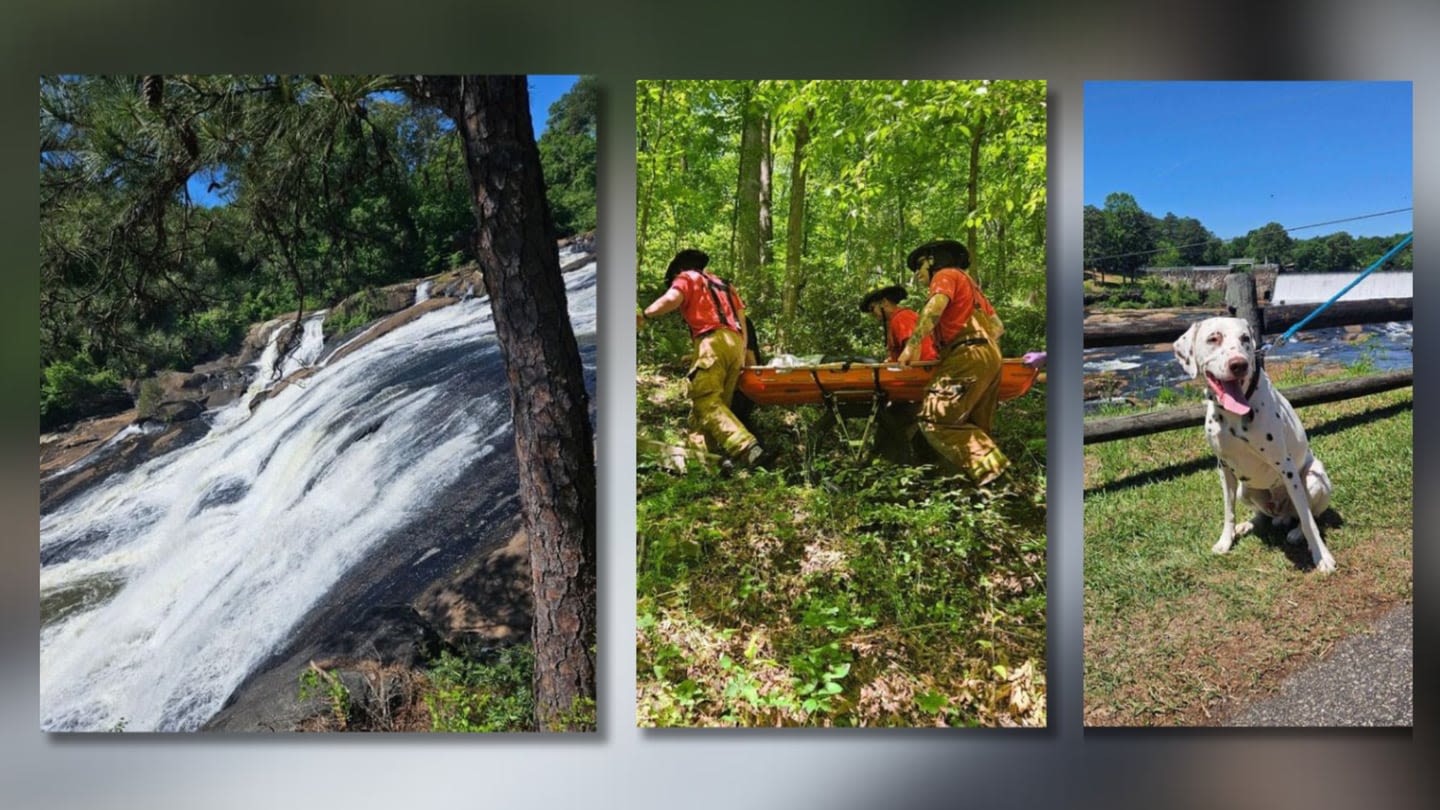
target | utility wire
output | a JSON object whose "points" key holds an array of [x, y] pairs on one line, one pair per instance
{"points": [[1095, 259]]}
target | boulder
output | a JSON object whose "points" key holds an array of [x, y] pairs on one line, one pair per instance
{"points": [[180, 410]]}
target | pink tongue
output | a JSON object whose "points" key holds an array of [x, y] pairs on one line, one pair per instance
{"points": [[1229, 395]]}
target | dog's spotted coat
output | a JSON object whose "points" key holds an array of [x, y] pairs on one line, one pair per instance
{"points": [[1265, 459]]}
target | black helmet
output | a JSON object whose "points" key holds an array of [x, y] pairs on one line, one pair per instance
{"points": [[894, 294], [940, 253], [688, 259]]}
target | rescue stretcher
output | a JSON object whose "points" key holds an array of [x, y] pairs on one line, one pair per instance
{"points": [[845, 382]]}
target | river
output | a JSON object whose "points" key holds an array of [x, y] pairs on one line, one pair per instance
{"points": [[1143, 371]]}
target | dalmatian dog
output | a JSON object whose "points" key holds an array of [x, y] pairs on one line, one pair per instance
{"points": [[1265, 460]]}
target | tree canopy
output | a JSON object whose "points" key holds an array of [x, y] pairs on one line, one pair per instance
{"points": [[176, 210], [861, 172], [1123, 237]]}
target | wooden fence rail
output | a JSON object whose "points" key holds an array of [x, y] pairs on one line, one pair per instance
{"points": [[1125, 427], [1163, 326]]}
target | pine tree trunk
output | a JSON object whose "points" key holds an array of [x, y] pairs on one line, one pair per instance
{"points": [[554, 445]]}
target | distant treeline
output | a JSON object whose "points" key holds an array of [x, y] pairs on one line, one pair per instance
{"points": [[1122, 237], [315, 187]]}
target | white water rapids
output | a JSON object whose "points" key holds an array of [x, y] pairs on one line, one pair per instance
{"points": [[174, 580]]}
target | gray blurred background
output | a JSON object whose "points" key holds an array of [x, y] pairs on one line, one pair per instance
{"points": [[1064, 43]]}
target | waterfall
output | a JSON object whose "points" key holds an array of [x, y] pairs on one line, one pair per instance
{"points": [[162, 588], [312, 341]]}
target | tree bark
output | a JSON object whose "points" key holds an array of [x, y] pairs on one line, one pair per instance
{"points": [[651, 143], [795, 225], [972, 194], [747, 202], [554, 445], [767, 169]]}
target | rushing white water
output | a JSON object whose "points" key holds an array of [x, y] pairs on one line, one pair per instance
{"points": [[109, 446], [312, 341], [168, 584], [422, 291]]}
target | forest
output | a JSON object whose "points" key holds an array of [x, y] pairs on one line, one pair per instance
{"points": [[833, 588], [1122, 237], [177, 210]]}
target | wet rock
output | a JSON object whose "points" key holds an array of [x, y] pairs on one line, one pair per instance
{"points": [[298, 376], [392, 323], [178, 411], [95, 454]]}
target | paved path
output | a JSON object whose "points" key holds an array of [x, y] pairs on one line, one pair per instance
{"points": [[1367, 680]]}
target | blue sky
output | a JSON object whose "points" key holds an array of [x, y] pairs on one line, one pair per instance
{"points": [[544, 91], [1236, 155]]}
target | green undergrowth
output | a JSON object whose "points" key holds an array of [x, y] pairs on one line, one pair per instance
{"points": [[458, 691], [835, 590], [482, 695]]}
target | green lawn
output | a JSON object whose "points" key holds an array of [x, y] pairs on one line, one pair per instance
{"points": [[1176, 635]]}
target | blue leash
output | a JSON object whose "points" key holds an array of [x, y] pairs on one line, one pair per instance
{"points": [[1289, 333]]}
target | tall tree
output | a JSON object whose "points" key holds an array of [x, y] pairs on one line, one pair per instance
{"points": [[567, 153], [1129, 235], [1095, 240], [972, 187], [1340, 252], [767, 170], [795, 224], [554, 445], [747, 196], [651, 142], [1270, 243]]}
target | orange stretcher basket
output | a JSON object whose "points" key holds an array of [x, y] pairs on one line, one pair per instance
{"points": [[861, 382]]}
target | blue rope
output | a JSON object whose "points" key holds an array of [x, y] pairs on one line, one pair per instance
{"points": [[1289, 333]]}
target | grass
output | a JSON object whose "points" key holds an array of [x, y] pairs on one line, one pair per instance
{"points": [[1175, 635], [879, 595]]}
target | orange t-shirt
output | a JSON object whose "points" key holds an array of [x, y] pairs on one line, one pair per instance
{"points": [[964, 297], [709, 303], [902, 326]]}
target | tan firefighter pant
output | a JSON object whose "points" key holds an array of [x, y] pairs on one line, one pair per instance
{"points": [[958, 412], [719, 356]]}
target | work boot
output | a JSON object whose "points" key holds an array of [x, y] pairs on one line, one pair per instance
{"points": [[985, 469], [749, 458]]}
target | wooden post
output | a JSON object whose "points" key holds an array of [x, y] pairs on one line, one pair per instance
{"points": [[1240, 300]]}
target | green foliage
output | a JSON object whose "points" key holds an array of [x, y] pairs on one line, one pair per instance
{"points": [[579, 717], [1122, 237], [880, 595], [887, 166], [148, 402], [315, 682], [70, 389], [352, 314], [483, 695], [325, 185], [567, 153]]}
